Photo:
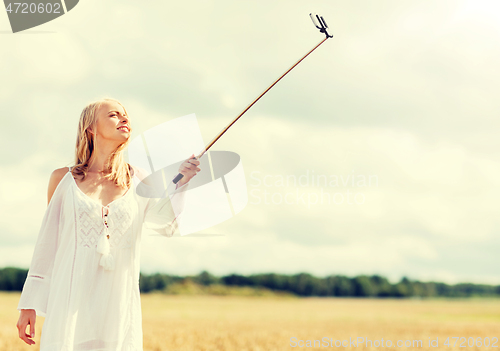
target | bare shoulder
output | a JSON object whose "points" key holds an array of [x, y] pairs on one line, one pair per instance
{"points": [[57, 175], [55, 179]]}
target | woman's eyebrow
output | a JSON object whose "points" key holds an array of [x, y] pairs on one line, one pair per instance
{"points": [[116, 112]]}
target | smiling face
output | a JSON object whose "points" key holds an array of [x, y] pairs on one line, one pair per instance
{"points": [[112, 122]]}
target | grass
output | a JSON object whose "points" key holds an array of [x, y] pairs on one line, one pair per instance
{"points": [[266, 322]]}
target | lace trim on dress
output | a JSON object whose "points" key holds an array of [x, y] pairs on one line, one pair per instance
{"points": [[103, 228]]}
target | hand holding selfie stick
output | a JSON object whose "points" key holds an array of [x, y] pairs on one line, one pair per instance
{"points": [[320, 23]]}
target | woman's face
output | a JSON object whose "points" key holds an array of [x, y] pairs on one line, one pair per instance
{"points": [[112, 122]]}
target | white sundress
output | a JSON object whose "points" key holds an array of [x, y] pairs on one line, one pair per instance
{"points": [[87, 305]]}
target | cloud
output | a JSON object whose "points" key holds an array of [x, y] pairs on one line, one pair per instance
{"points": [[404, 91]]}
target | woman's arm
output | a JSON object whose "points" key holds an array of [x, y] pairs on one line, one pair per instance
{"points": [[161, 214], [37, 285], [35, 292]]}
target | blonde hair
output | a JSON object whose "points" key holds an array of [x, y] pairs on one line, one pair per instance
{"points": [[117, 169]]}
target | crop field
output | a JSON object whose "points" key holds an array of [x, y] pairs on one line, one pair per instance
{"points": [[269, 323]]}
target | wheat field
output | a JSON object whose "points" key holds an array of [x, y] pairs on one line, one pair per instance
{"points": [[269, 323]]}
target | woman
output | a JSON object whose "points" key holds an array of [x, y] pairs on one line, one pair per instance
{"points": [[84, 274]]}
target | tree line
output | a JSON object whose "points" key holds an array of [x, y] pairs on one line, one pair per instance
{"points": [[302, 284]]}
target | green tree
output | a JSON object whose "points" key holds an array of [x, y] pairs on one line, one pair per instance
{"points": [[205, 278], [363, 286]]}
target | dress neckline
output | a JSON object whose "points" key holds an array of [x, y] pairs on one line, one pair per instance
{"points": [[94, 200]]}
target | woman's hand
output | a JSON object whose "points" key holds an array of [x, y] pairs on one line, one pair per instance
{"points": [[27, 317], [189, 169]]}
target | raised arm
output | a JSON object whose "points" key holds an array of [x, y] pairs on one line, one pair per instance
{"points": [[161, 214]]}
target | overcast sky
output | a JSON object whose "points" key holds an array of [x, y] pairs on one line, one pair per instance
{"points": [[405, 94]]}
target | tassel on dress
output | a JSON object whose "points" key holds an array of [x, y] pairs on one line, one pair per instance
{"points": [[107, 260]]}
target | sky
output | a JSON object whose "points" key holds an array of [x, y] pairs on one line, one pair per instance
{"points": [[398, 112]]}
